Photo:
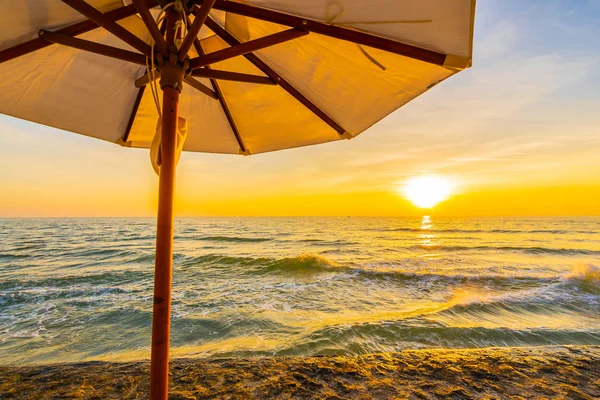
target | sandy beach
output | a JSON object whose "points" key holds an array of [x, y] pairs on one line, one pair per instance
{"points": [[570, 372]]}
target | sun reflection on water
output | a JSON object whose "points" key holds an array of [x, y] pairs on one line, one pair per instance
{"points": [[426, 223], [427, 239]]}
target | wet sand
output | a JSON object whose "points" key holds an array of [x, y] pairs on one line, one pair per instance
{"points": [[569, 372]]}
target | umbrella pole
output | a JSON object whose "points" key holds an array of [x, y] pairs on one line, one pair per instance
{"points": [[161, 313]]}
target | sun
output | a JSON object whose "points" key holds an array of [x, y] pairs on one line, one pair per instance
{"points": [[426, 191]]}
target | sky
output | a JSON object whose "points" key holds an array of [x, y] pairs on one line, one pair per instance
{"points": [[517, 134]]}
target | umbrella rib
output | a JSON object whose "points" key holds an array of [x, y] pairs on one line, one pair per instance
{"points": [[247, 47], [136, 106], [200, 16], [206, 72], [72, 30], [229, 117], [338, 32], [92, 47], [232, 76], [150, 23], [200, 87], [258, 63], [146, 79], [221, 99], [109, 24]]}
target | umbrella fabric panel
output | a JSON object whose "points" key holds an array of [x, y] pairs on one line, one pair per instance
{"points": [[355, 85], [268, 118], [208, 128], [440, 25], [74, 90], [21, 19]]}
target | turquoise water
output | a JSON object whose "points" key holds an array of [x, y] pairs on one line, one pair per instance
{"points": [[81, 289]]}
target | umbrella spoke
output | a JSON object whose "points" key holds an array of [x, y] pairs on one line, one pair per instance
{"points": [[171, 28], [109, 24], [247, 47], [136, 105], [232, 76], [213, 74], [227, 112], [334, 31], [150, 23], [200, 86], [92, 47], [146, 79], [258, 63], [200, 14]]}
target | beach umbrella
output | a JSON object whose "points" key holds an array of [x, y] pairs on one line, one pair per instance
{"points": [[217, 76]]}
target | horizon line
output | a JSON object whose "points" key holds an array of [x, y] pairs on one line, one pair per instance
{"points": [[310, 216]]}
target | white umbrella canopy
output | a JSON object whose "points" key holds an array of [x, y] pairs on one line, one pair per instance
{"points": [[349, 87], [244, 77]]}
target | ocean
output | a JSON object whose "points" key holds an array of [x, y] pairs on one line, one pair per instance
{"points": [[81, 289]]}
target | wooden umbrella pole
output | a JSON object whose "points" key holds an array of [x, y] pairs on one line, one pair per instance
{"points": [[161, 315], [171, 83]]}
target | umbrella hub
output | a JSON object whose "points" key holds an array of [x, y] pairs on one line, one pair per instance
{"points": [[186, 6], [173, 71]]}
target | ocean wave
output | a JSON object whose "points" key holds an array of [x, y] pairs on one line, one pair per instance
{"points": [[526, 250], [127, 238], [81, 296], [389, 336], [301, 263], [510, 231], [11, 256], [585, 272], [123, 317], [576, 292], [217, 259], [32, 246], [578, 288], [67, 281], [141, 259], [228, 239], [523, 305], [316, 264], [108, 252], [323, 242], [306, 262], [188, 330]]}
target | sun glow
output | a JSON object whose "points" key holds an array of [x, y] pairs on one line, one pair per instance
{"points": [[426, 191]]}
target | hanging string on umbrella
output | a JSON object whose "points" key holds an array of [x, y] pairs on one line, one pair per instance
{"points": [[151, 69], [155, 146]]}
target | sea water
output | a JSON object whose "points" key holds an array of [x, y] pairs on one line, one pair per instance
{"points": [[81, 289]]}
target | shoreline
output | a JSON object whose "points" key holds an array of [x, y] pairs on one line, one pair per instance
{"points": [[511, 372]]}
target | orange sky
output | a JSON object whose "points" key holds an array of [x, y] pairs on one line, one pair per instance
{"points": [[519, 134]]}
